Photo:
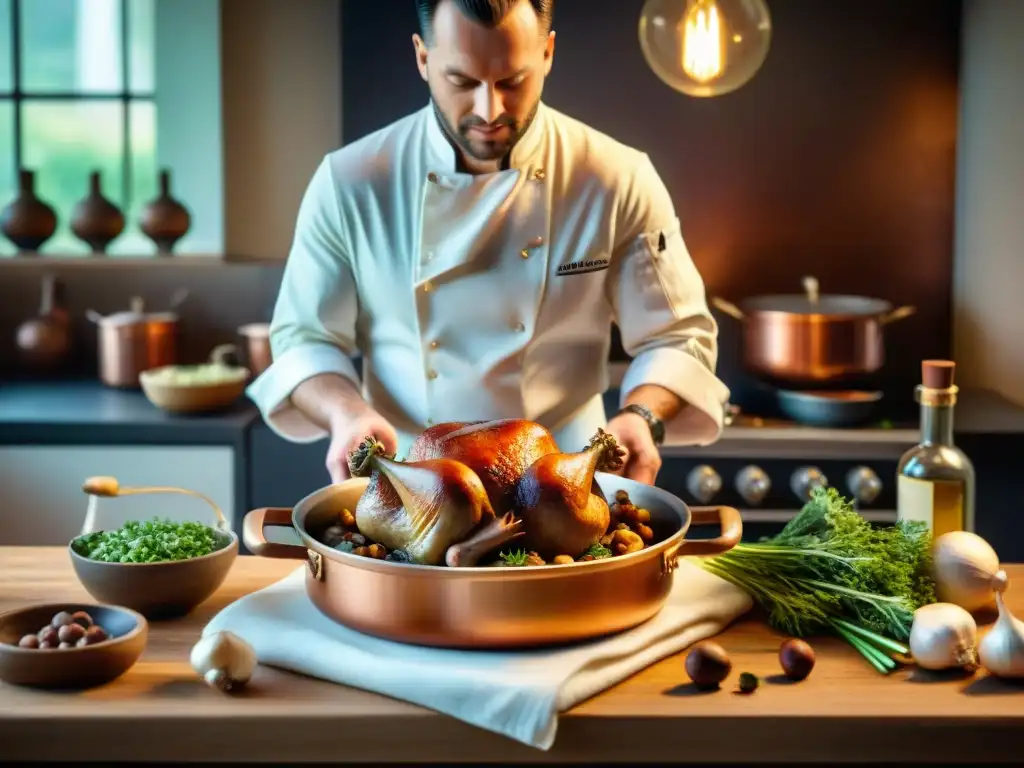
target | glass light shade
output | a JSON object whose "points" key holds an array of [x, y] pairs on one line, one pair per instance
{"points": [[705, 47]]}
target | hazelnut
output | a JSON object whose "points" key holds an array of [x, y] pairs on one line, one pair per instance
{"points": [[70, 633], [82, 618], [563, 560], [95, 634], [348, 519], [60, 619], [29, 641]]}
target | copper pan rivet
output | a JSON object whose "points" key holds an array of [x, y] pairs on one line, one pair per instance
{"points": [[316, 564]]}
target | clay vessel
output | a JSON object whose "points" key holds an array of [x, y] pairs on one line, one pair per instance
{"points": [[164, 220], [95, 219], [28, 222], [44, 341]]}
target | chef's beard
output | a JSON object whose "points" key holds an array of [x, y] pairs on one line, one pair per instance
{"points": [[486, 151]]}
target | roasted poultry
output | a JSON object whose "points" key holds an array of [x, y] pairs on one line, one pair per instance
{"points": [[467, 489]]}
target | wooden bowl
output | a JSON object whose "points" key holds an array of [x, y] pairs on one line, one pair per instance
{"points": [[159, 590], [175, 397], [70, 668]]}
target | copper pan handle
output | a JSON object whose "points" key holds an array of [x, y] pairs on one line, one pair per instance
{"points": [[732, 532], [897, 314], [256, 540], [729, 308]]}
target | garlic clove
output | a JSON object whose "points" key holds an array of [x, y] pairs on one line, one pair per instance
{"points": [[224, 660], [1001, 650], [964, 567], [944, 636]]}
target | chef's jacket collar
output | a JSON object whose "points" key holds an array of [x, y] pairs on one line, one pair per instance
{"points": [[525, 154]]}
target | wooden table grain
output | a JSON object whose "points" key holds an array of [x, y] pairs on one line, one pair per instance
{"points": [[161, 711]]}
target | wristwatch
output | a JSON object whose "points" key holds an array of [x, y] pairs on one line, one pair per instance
{"points": [[657, 425]]}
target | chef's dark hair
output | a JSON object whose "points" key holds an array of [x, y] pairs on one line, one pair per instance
{"points": [[486, 12]]}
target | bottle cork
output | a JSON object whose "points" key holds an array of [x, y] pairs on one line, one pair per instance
{"points": [[937, 374]]}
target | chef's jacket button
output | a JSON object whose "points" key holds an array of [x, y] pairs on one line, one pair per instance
{"points": [[432, 177], [518, 327], [428, 287], [435, 344], [431, 374], [525, 253], [539, 175]]}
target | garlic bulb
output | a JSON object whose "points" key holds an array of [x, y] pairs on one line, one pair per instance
{"points": [[224, 660], [966, 570], [1001, 650], [944, 636]]}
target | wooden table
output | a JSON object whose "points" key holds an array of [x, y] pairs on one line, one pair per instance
{"points": [[160, 710]]}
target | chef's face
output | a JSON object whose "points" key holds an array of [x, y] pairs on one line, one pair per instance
{"points": [[486, 83]]}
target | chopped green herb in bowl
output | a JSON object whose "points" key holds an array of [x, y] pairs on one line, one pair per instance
{"points": [[150, 541]]}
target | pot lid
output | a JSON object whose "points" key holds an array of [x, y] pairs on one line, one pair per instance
{"points": [[811, 302]]}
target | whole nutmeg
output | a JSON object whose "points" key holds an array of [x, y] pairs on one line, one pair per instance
{"points": [[708, 665], [796, 658]]}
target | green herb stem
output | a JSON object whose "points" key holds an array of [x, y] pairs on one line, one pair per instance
{"points": [[879, 640], [877, 659]]}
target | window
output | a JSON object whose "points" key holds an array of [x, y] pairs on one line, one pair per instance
{"points": [[77, 95]]}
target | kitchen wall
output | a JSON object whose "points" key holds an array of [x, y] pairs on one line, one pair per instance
{"points": [[989, 274], [837, 160], [281, 114]]}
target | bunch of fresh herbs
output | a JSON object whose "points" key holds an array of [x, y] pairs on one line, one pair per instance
{"points": [[830, 570], [151, 541]]}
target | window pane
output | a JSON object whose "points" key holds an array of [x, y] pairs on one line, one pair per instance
{"points": [[64, 141], [8, 182], [141, 45], [71, 45], [143, 180], [6, 52]]}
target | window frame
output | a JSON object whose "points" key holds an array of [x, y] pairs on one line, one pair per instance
{"points": [[17, 96]]}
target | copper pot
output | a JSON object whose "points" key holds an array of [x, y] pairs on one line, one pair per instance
{"points": [[488, 607], [813, 339], [257, 346], [135, 341]]}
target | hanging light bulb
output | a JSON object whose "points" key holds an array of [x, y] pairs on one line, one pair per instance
{"points": [[705, 47]]}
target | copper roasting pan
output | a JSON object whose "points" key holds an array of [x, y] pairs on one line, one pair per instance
{"points": [[491, 607]]}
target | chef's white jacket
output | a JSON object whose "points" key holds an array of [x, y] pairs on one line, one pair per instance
{"points": [[490, 296]]}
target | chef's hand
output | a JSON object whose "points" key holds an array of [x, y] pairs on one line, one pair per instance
{"points": [[642, 457], [348, 431]]}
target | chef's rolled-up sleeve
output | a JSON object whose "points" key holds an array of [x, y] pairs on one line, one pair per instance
{"points": [[313, 328], [661, 309]]}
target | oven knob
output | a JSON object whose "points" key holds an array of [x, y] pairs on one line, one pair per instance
{"points": [[864, 484], [703, 483], [753, 484], [805, 480]]}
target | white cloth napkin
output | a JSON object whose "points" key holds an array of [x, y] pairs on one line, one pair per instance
{"points": [[518, 694]]}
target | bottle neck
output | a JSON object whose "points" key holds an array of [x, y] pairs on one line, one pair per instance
{"points": [[937, 424]]}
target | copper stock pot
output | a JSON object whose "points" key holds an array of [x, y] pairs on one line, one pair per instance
{"points": [[491, 607], [812, 339]]}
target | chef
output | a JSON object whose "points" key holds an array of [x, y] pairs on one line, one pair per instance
{"points": [[476, 253]]}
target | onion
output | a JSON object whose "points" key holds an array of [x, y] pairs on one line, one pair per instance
{"points": [[966, 570]]}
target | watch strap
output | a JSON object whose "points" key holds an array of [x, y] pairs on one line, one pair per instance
{"points": [[657, 425]]}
